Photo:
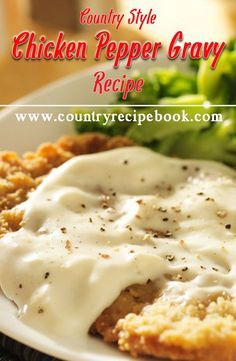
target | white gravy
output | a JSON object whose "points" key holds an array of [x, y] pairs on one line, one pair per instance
{"points": [[102, 222]]}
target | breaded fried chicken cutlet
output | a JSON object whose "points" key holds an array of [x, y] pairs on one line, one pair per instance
{"points": [[141, 321]]}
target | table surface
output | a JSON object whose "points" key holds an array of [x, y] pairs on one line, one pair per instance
{"points": [[11, 350]]}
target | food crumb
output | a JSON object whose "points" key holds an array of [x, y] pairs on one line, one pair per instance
{"points": [[221, 214], [68, 246], [170, 258], [181, 242], [105, 256], [162, 209]]}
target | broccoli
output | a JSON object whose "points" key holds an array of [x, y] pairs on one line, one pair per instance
{"points": [[162, 83], [219, 85], [150, 131], [110, 128], [202, 140], [218, 142]]}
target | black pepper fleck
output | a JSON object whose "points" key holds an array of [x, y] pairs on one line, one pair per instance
{"points": [[47, 274], [129, 227]]}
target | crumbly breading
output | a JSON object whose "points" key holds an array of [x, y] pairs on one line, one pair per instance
{"points": [[139, 320], [20, 176], [132, 299], [201, 332]]}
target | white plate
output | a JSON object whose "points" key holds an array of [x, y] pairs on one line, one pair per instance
{"points": [[21, 137]]}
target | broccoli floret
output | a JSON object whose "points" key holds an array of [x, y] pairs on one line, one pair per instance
{"points": [[150, 92], [161, 83], [194, 64], [218, 142], [219, 85], [174, 84], [188, 139], [111, 128], [232, 45], [150, 131]]}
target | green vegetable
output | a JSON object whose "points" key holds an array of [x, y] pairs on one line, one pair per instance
{"points": [[219, 85], [150, 131], [162, 83], [110, 128], [188, 139], [218, 143]]}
